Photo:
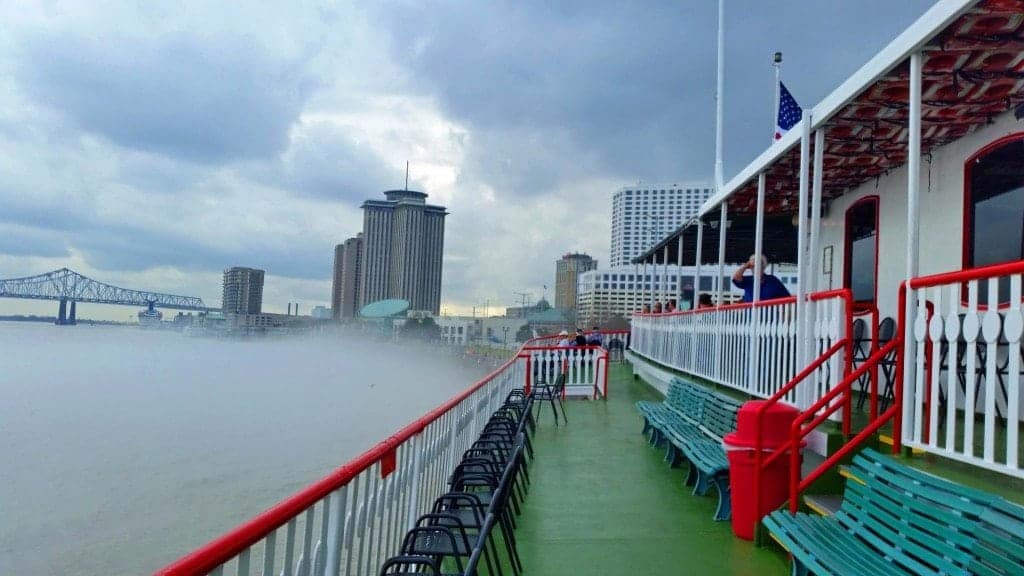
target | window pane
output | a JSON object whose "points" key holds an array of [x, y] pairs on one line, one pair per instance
{"points": [[861, 249], [997, 211], [862, 268]]}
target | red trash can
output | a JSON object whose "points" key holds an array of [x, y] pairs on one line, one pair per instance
{"points": [[739, 446]]}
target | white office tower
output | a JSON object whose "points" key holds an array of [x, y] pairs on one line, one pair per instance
{"points": [[645, 213]]}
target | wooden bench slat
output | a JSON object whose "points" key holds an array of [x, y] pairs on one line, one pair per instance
{"points": [[896, 519]]}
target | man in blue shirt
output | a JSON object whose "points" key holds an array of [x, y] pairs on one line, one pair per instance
{"points": [[771, 287]]}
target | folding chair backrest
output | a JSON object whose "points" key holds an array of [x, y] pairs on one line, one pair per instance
{"points": [[886, 330]]}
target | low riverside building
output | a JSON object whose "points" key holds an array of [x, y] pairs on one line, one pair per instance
{"points": [[618, 292]]}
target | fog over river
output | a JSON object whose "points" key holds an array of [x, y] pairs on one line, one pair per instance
{"points": [[121, 449]]}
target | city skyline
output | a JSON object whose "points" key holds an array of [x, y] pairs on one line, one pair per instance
{"points": [[218, 137]]}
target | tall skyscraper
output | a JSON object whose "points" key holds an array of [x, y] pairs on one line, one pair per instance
{"points": [[644, 214], [403, 243], [243, 291], [348, 259], [567, 273]]}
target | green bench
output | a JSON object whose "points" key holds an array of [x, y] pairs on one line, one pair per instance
{"points": [[898, 520], [691, 423]]}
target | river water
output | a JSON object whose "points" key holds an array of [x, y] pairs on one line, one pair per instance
{"points": [[121, 448]]}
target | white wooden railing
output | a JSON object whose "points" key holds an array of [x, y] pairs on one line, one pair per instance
{"points": [[585, 368], [962, 366], [730, 344]]}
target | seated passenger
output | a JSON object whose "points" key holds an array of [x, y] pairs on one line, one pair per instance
{"points": [[705, 301]]}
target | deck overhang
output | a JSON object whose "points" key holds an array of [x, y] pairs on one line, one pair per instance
{"points": [[779, 233], [972, 71]]}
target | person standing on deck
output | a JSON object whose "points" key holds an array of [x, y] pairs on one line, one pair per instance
{"points": [[771, 287]]}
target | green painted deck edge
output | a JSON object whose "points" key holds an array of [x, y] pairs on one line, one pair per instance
{"points": [[604, 502]]}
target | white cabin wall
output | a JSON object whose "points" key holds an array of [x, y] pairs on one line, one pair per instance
{"points": [[941, 219]]}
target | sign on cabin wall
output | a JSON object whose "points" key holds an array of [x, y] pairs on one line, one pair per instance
{"points": [[826, 265]]}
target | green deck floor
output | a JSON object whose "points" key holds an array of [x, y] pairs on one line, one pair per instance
{"points": [[603, 501]]}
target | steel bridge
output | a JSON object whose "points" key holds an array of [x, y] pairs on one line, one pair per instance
{"points": [[70, 287]]}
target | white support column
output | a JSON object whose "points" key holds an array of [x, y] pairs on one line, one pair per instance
{"points": [[719, 327], [638, 301], [679, 272], [801, 248], [722, 226], [813, 250], [719, 102], [913, 239], [697, 258], [759, 237], [755, 316], [664, 277], [643, 287]]}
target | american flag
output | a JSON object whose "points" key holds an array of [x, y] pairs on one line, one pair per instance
{"points": [[789, 112]]}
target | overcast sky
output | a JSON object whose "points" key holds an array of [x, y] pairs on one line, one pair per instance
{"points": [[154, 147]]}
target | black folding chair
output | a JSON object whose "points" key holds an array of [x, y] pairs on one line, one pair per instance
{"points": [[550, 393], [886, 332]]}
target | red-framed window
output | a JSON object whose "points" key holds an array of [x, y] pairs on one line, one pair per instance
{"points": [[994, 208], [860, 260]]}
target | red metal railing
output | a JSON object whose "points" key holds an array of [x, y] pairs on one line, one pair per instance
{"points": [[824, 404], [818, 412], [378, 493], [444, 424]]}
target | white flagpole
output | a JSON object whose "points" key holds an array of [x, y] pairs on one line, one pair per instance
{"points": [[720, 90], [777, 64]]}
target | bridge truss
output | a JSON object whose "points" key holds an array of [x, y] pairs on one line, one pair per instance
{"points": [[69, 286]]}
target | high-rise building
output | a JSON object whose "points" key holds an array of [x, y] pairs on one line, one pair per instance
{"points": [[243, 291], [403, 244], [567, 273], [644, 214], [348, 272]]}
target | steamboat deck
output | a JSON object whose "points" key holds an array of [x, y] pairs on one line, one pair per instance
{"points": [[603, 501]]}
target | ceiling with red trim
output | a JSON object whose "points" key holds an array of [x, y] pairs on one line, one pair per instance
{"points": [[972, 71]]}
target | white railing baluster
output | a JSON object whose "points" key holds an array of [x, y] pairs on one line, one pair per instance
{"points": [[289, 548], [352, 523], [990, 329], [952, 336], [972, 327], [1013, 328], [335, 532], [243, 563], [307, 541], [935, 338], [920, 333], [269, 551]]}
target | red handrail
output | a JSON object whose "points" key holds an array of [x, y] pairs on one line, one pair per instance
{"points": [[845, 343], [798, 431], [981, 273], [226, 547]]}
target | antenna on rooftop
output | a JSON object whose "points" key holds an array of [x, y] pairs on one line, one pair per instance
{"points": [[406, 175]]}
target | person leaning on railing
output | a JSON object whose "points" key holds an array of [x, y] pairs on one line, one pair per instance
{"points": [[771, 287]]}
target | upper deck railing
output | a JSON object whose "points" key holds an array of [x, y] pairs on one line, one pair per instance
{"points": [[351, 520], [752, 348]]}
